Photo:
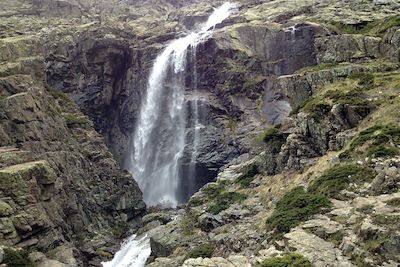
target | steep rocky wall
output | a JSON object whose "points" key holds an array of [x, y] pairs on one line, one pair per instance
{"points": [[60, 185]]}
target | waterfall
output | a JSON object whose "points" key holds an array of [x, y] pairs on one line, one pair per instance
{"points": [[195, 124], [159, 137], [133, 253]]}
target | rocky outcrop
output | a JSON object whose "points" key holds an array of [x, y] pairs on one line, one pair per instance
{"points": [[59, 183]]}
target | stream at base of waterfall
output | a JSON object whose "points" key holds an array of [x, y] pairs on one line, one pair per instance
{"points": [[159, 136]]}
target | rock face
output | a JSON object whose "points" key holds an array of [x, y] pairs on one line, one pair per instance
{"points": [[59, 182]]}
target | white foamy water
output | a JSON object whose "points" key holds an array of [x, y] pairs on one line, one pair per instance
{"points": [[133, 253], [159, 137]]}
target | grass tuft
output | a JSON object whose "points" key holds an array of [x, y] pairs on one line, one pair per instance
{"points": [[286, 260], [295, 207], [224, 200], [248, 176], [337, 178], [17, 258], [201, 251]]}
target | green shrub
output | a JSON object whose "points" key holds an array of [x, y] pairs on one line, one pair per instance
{"points": [[365, 80], [213, 190], [248, 176], [382, 151], [295, 207], [58, 94], [71, 119], [188, 223], [379, 135], [195, 201], [273, 138], [345, 155], [17, 258], [353, 98], [224, 200], [201, 251], [317, 110], [232, 124], [377, 27], [382, 26], [338, 178], [287, 260]]}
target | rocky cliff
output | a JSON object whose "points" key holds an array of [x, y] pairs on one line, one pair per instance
{"points": [[299, 103], [62, 193]]}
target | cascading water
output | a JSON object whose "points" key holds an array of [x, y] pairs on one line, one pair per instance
{"points": [[133, 253], [159, 138], [195, 125]]}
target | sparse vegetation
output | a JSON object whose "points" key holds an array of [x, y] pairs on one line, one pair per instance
{"points": [[213, 190], [317, 110], [382, 151], [71, 119], [224, 200], [17, 258], [188, 223], [58, 94], [120, 229], [295, 207], [319, 67], [339, 177], [201, 251], [286, 260], [232, 124], [273, 138], [381, 141], [374, 28], [248, 176], [365, 80]]}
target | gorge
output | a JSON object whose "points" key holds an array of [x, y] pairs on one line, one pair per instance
{"points": [[199, 133]]}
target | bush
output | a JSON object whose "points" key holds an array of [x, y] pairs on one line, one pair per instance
{"points": [[273, 138], [339, 177], [294, 207], [317, 110], [380, 134], [213, 190], [71, 119], [366, 80], [188, 223], [248, 176], [287, 260], [377, 27], [224, 201], [202, 251], [382, 151], [17, 258], [58, 94], [353, 98]]}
